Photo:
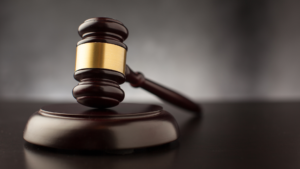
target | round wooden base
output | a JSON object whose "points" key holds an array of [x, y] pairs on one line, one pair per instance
{"points": [[76, 127]]}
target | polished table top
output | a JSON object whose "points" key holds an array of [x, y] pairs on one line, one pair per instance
{"points": [[226, 135]]}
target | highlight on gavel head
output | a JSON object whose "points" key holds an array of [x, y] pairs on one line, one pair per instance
{"points": [[100, 63]]}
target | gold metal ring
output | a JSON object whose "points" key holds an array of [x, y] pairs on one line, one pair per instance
{"points": [[100, 55]]}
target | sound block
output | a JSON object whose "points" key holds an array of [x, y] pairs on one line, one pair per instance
{"points": [[76, 127]]}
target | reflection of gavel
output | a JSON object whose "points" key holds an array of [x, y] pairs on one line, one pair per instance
{"points": [[101, 68]]}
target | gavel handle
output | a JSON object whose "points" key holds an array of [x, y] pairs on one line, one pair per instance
{"points": [[137, 79]]}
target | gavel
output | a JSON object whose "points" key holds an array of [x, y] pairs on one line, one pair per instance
{"points": [[101, 68]]}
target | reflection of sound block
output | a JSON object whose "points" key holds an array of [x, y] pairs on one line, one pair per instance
{"points": [[127, 126]]}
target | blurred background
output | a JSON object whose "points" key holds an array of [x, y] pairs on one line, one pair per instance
{"points": [[209, 50]]}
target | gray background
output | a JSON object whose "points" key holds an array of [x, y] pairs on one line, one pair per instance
{"points": [[210, 50]]}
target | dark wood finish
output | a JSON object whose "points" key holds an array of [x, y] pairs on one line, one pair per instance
{"points": [[99, 88], [76, 127], [103, 29], [122, 110], [138, 80], [236, 135]]}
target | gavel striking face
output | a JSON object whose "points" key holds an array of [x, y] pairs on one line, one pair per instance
{"points": [[101, 67]]}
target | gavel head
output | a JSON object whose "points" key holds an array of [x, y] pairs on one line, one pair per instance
{"points": [[100, 63]]}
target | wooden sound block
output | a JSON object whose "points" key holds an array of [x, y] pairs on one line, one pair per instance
{"points": [[76, 127]]}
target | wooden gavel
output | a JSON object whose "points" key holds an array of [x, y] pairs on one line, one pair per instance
{"points": [[101, 67]]}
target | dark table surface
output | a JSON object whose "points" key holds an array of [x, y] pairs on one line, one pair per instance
{"points": [[226, 135]]}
